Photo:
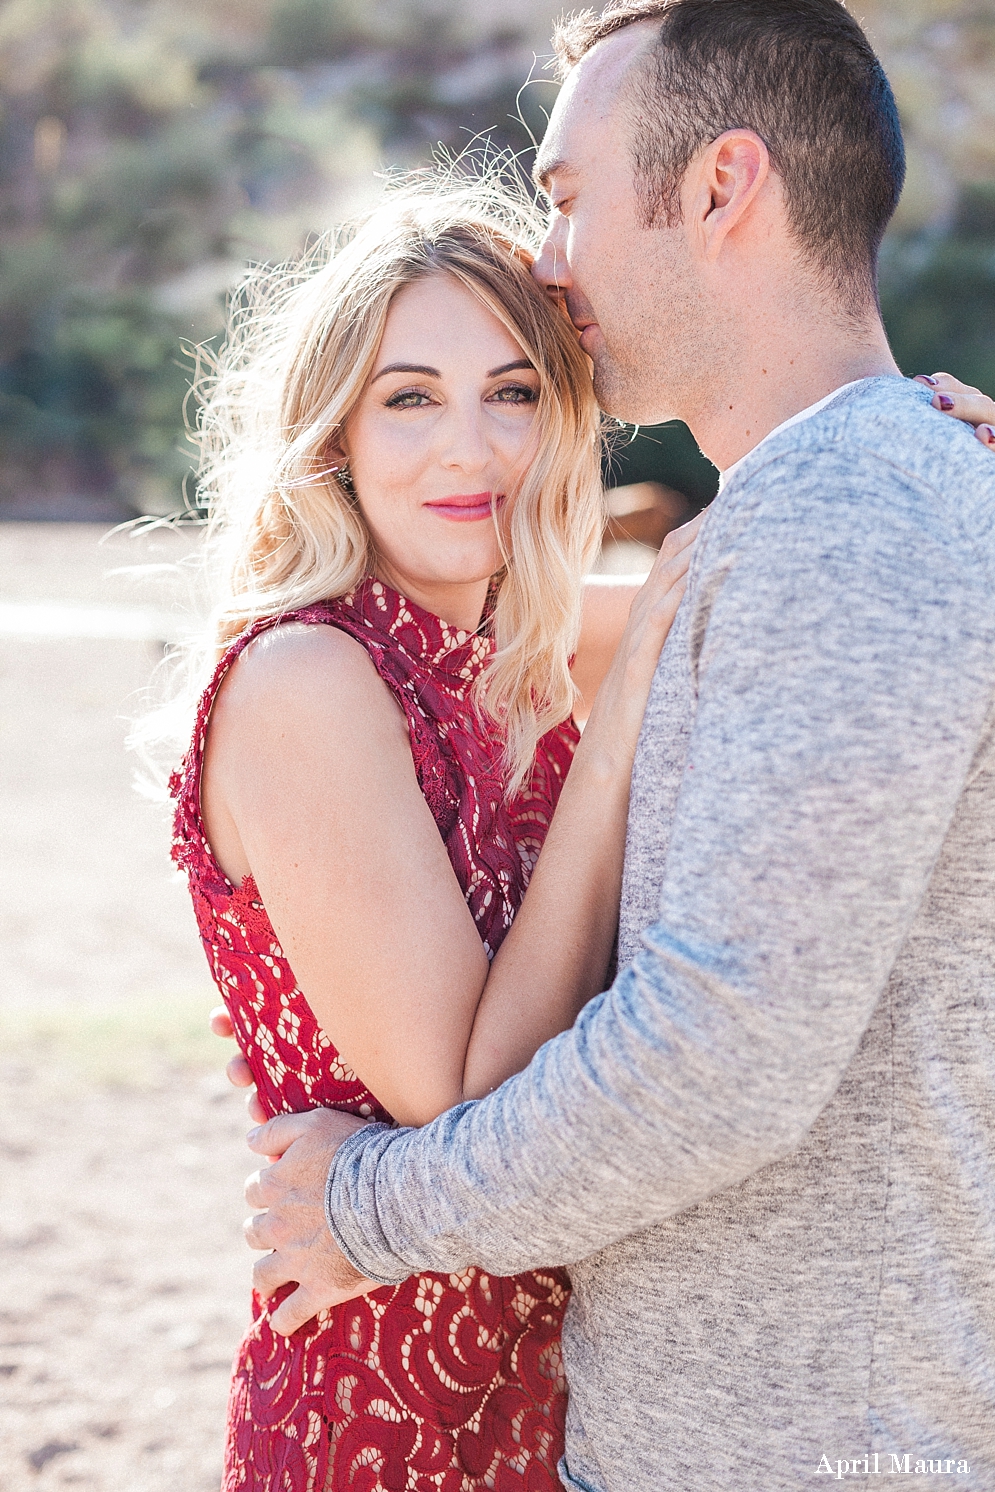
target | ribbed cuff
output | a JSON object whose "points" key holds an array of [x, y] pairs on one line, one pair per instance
{"points": [[350, 1205]]}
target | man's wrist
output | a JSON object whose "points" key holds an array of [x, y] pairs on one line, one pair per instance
{"points": [[347, 1229]]}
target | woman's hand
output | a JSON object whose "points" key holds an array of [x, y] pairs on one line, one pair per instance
{"points": [[655, 605], [962, 402], [617, 716]]}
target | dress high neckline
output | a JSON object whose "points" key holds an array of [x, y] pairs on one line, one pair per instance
{"points": [[418, 632]]}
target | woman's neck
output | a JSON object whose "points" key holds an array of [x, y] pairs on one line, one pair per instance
{"points": [[459, 604]]}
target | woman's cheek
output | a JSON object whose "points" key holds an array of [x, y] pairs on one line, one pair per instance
{"points": [[401, 456], [513, 441]]}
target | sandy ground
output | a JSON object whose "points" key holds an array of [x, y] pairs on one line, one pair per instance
{"points": [[125, 1281], [125, 1278], [91, 911]]}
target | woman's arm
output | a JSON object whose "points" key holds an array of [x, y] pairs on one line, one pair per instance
{"points": [[604, 614], [309, 784], [555, 958]]}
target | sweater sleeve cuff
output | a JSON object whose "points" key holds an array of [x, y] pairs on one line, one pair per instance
{"points": [[351, 1206]]}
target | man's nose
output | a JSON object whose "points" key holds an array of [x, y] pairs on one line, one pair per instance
{"points": [[550, 267]]}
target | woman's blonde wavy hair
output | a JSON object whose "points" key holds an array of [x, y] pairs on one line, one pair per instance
{"points": [[302, 343]]}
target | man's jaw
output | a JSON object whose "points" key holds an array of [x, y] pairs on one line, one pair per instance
{"points": [[617, 395], [623, 392]]}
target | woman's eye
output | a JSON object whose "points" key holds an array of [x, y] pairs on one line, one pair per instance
{"points": [[515, 393], [408, 399]]}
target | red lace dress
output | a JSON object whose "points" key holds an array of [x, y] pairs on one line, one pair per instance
{"points": [[447, 1383]]}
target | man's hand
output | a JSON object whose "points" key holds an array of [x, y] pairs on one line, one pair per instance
{"points": [[292, 1190], [238, 1070]]}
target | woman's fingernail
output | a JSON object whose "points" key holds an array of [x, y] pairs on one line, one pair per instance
{"points": [[945, 401], [987, 434], [252, 1134], [925, 378]]}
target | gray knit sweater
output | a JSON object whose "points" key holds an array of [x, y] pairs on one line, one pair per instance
{"points": [[767, 1153]]}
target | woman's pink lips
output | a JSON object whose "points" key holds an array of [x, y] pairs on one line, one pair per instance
{"points": [[466, 507]]}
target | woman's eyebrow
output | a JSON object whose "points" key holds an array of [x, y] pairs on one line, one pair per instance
{"points": [[406, 368], [520, 363]]}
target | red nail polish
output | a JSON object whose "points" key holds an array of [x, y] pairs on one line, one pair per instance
{"points": [[987, 433], [946, 402], [925, 378]]}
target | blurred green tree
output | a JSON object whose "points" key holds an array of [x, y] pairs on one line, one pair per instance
{"points": [[150, 148], [938, 293]]}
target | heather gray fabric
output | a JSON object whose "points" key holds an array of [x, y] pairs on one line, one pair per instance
{"points": [[768, 1152]]}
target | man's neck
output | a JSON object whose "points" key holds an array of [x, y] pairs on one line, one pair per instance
{"points": [[776, 376]]}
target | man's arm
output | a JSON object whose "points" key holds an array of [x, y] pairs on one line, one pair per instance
{"points": [[844, 669]]}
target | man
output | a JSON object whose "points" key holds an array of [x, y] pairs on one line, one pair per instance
{"points": [[766, 1152]]}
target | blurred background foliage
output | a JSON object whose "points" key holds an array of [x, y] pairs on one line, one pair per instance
{"points": [[150, 148]]}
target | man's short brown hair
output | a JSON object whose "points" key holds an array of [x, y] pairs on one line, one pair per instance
{"points": [[802, 75]]}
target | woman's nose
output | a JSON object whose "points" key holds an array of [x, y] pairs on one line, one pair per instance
{"points": [[550, 266], [466, 447]]}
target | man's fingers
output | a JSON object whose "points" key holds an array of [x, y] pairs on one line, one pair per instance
{"points": [[220, 1022], [269, 1273], [301, 1306], [254, 1105], [289, 1225], [277, 1135], [259, 1192], [239, 1072], [326, 1127], [296, 1311], [260, 1232]]}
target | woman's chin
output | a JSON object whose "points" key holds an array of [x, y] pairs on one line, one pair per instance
{"points": [[452, 587], [448, 581], [458, 565]]}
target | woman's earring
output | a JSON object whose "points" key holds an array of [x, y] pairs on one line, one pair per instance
{"points": [[343, 476]]}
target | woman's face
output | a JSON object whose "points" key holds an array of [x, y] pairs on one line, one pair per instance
{"points": [[434, 442]]}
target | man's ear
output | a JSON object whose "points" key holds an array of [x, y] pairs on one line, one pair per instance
{"points": [[725, 181]]}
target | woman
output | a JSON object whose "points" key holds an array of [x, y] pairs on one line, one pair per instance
{"points": [[405, 469]]}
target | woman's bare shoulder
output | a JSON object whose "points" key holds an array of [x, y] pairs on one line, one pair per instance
{"points": [[298, 726], [305, 671]]}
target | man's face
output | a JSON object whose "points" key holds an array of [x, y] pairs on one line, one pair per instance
{"points": [[630, 289]]}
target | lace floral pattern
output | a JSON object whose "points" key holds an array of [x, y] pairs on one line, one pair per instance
{"points": [[446, 1383]]}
